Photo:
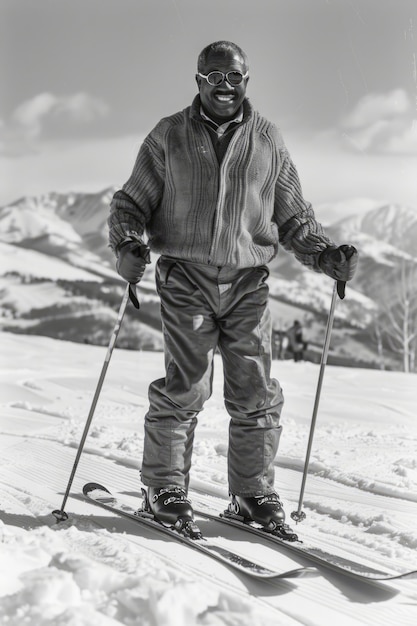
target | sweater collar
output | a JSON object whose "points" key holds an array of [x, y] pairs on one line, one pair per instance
{"points": [[222, 128]]}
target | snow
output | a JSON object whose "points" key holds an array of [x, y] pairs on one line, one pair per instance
{"points": [[95, 569], [31, 224], [25, 297], [36, 264]]}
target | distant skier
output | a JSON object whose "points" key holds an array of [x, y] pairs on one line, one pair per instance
{"points": [[216, 192], [296, 343]]}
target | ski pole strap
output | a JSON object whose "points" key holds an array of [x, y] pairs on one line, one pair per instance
{"points": [[133, 297], [341, 286]]}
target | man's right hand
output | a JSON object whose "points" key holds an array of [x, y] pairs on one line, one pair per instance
{"points": [[133, 258]]}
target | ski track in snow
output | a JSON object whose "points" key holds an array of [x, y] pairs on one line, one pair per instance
{"points": [[96, 569]]}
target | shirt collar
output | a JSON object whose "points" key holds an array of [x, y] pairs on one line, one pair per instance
{"points": [[221, 128]]}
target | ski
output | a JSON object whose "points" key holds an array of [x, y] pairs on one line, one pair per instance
{"points": [[315, 554], [101, 496]]}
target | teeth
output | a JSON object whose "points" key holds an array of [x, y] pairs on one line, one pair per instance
{"points": [[224, 98]]}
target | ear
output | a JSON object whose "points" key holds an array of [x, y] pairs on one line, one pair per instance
{"points": [[198, 80]]}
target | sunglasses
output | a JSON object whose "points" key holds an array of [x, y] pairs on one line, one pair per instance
{"points": [[216, 78]]}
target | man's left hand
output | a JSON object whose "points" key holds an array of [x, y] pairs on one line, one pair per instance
{"points": [[339, 263]]}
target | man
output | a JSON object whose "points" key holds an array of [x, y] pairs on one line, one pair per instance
{"points": [[296, 343], [215, 190]]}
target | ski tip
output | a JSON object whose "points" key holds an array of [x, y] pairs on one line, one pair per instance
{"points": [[88, 487], [303, 572]]}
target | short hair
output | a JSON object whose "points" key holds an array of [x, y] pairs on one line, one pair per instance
{"points": [[224, 47]]}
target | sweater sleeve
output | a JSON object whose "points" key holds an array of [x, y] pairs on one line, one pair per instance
{"points": [[131, 207], [299, 231]]}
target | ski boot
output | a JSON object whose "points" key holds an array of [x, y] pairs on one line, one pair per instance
{"points": [[171, 507], [265, 510]]}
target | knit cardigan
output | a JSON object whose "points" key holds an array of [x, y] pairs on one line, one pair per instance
{"points": [[230, 214]]}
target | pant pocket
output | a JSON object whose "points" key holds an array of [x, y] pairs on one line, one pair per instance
{"points": [[164, 268]]}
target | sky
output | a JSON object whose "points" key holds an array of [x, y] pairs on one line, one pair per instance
{"points": [[84, 81]]}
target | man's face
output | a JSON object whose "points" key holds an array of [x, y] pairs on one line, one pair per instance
{"points": [[221, 102]]}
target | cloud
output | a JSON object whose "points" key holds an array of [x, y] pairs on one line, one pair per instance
{"points": [[82, 108], [49, 112], [29, 115], [381, 123], [378, 106]]}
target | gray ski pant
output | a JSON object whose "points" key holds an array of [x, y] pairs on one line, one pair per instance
{"points": [[204, 308]]}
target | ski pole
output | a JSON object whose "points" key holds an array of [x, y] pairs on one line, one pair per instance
{"points": [[60, 514], [338, 289]]}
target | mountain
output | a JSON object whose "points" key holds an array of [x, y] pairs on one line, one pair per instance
{"points": [[393, 224], [71, 227], [387, 240], [58, 276]]}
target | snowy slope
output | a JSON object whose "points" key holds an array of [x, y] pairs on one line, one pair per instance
{"points": [[97, 570], [35, 265]]}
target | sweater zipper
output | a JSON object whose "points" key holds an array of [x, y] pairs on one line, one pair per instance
{"points": [[218, 214]]}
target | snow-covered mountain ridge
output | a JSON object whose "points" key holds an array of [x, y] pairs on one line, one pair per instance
{"points": [[72, 227], [394, 224]]}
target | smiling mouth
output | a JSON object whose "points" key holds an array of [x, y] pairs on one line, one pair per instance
{"points": [[224, 97]]}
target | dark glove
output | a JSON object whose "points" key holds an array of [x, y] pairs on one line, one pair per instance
{"points": [[339, 263], [133, 257]]}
